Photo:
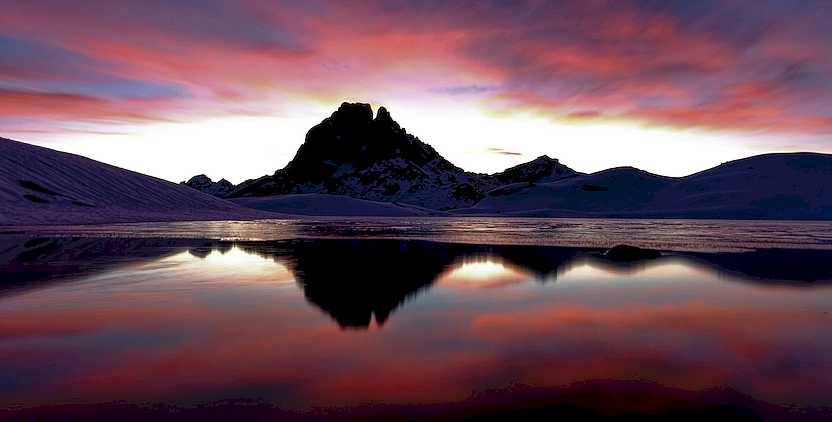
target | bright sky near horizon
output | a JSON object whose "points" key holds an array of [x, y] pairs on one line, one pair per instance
{"points": [[229, 88]]}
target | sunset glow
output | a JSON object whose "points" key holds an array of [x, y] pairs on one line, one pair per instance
{"points": [[483, 272], [332, 210], [669, 87]]}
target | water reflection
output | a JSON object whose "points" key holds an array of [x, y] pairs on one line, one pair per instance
{"points": [[229, 264], [185, 322], [483, 271]]}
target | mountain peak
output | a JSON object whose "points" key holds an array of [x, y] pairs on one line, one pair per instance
{"points": [[204, 183], [199, 178], [353, 153], [541, 169], [383, 119], [383, 114], [352, 114], [351, 136], [545, 159]]}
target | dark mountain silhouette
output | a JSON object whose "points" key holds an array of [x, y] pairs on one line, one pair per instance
{"points": [[351, 153], [541, 169], [204, 184]]}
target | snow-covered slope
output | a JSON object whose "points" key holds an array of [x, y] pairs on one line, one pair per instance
{"points": [[797, 185], [613, 190], [42, 186], [781, 186], [331, 205]]}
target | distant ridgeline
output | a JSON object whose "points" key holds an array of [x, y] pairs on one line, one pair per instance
{"points": [[354, 163], [351, 153]]}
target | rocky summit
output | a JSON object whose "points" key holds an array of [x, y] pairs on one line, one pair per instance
{"points": [[540, 170], [205, 184], [354, 153]]}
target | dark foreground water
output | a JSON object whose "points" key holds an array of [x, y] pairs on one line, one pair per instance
{"points": [[369, 329]]}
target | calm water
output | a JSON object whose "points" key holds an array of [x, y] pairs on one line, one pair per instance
{"points": [[322, 328], [668, 234]]}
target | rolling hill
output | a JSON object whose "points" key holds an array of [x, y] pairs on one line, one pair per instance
{"points": [[770, 186], [43, 186]]}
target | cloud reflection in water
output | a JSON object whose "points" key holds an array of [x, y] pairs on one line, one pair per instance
{"points": [[212, 321]]}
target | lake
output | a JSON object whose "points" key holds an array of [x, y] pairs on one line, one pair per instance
{"points": [[435, 319]]}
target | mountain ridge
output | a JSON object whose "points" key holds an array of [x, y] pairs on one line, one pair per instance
{"points": [[767, 186], [355, 154], [374, 159], [387, 171], [203, 183]]}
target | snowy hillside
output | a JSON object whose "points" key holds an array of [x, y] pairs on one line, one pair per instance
{"points": [[42, 186], [353, 154], [331, 205], [780, 186]]}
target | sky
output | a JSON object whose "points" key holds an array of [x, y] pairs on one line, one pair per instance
{"points": [[229, 87]]}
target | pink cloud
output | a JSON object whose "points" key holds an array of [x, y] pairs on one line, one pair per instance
{"points": [[663, 65]]}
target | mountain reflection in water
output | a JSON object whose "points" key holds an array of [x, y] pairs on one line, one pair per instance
{"points": [[183, 322]]}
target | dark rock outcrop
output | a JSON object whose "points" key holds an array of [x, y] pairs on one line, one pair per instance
{"points": [[541, 169], [352, 153], [204, 183]]}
